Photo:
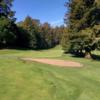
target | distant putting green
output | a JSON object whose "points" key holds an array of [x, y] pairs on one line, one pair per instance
{"points": [[21, 80]]}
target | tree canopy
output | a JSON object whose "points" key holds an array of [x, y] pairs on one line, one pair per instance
{"points": [[29, 33], [80, 36], [7, 24], [83, 20]]}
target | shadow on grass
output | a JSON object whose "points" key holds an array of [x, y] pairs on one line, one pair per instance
{"points": [[15, 48], [26, 49], [96, 57]]}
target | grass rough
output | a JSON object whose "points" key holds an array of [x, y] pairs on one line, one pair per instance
{"points": [[34, 81]]}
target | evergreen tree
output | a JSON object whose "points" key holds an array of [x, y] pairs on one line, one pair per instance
{"points": [[83, 17], [7, 26]]}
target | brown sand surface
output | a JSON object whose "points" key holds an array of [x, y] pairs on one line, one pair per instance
{"points": [[61, 63]]}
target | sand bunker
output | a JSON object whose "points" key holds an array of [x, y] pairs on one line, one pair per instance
{"points": [[61, 63]]}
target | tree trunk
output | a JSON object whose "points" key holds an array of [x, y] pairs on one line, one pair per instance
{"points": [[88, 55]]}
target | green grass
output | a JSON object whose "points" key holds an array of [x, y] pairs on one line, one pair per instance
{"points": [[20, 80]]}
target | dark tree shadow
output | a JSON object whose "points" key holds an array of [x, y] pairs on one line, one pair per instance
{"points": [[26, 48], [82, 55], [96, 57]]}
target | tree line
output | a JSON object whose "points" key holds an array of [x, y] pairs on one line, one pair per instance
{"points": [[80, 36], [38, 36], [29, 33]]}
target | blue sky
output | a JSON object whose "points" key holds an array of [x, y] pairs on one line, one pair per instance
{"points": [[51, 11]]}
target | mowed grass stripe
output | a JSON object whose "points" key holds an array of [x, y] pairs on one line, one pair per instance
{"points": [[34, 81]]}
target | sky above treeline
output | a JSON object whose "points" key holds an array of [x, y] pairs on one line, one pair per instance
{"points": [[51, 11]]}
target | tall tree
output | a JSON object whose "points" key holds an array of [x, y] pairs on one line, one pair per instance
{"points": [[47, 32], [7, 25], [5, 8], [83, 19], [32, 27]]}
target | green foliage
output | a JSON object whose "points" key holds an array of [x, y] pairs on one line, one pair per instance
{"points": [[65, 40], [22, 38], [47, 35], [7, 32], [40, 36], [32, 28], [5, 9], [84, 25], [7, 26], [29, 33]]}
